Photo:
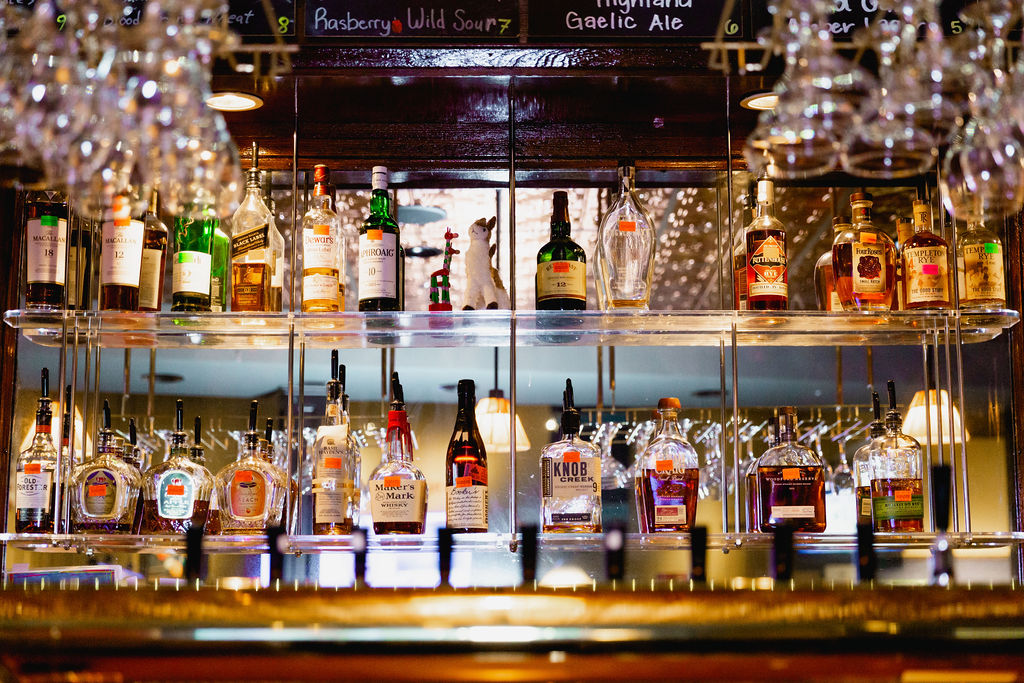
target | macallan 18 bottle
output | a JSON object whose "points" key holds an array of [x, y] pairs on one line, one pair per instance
{"points": [[46, 237]]}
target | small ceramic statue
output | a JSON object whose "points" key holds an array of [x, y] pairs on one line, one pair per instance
{"points": [[440, 286], [484, 288]]}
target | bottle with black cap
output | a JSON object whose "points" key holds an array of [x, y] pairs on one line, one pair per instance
{"points": [[570, 477], [105, 489], [251, 490], [269, 452], [897, 490], [790, 482], [561, 264], [176, 493], [668, 476], [398, 489], [333, 476], [34, 497], [466, 468], [862, 462]]}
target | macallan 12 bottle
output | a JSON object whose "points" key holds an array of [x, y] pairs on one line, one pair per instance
{"points": [[46, 238], [767, 269], [398, 489], [561, 281], [824, 274], [862, 462], [979, 266], [333, 474], [791, 482], [925, 261], [177, 491], [36, 467], [897, 494], [570, 471], [466, 468], [668, 475], [154, 259], [121, 259], [379, 238], [864, 261]]}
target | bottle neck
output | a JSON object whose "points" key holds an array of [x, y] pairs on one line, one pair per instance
{"points": [[893, 423], [787, 429], [763, 210], [670, 425], [397, 440], [862, 213], [44, 416], [465, 419], [627, 182], [876, 429], [380, 203]]}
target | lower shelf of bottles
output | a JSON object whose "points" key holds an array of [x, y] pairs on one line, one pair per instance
{"points": [[299, 544]]}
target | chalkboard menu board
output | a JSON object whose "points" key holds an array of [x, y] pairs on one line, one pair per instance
{"points": [[646, 19], [851, 15], [497, 19]]}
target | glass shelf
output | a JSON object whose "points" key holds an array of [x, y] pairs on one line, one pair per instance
{"points": [[299, 545], [113, 329]]}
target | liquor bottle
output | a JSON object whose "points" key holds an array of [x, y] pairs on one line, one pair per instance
{"points": [[862, 462], [904, 231], [252, 254], [191, 264], [753, 506], [824, 275], [121, 259], [897, 493], [133, 456], [466, 468], [79, 272], [105, 489], [979, 266], [739, 249], [767, 269], [379, 237], [864, 261], [154, 259], [220, 267], [925, 262], [570, 471], [322, 187], [334, 478], [46, 233], [322, 242], [790, 482], [398, 489], [668, 476], [177, 491], [561, 282], [251, 490], [627, 242], [36, 466], [197, 455], [268, 451], [278, 247]]}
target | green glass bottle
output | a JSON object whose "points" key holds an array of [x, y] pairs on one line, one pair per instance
{"points": [[379, 261], [220, 269], [561, 265], [193, 256]]}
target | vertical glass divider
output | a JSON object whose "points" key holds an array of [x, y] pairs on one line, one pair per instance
{"points": [[294, 463], [928, 432], [952, 429], [963, 428], [62, 398], [735, 423], [513, 520], [300, 452]]}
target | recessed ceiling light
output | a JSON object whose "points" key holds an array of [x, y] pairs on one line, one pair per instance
{"points": [[760, 101], [233, 101]]}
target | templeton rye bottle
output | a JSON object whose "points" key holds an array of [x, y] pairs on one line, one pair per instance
{"points": [[925, 263], [46, 235], [864, 261], [252, 254], [897, 494], [979, 266], [790, 481], [739, 249], [379, 271], [192, 261], [334, 473], [668, 475], [561, 281], [398, 489], [466, 468], [121, 258], [154, 259], [766, 252], [177, 491], [36, 466], [570, 471]]}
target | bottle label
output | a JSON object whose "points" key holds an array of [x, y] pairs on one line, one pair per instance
{"points": [[834, 303], [191, 273], [121, 257], [627, 226], [562, 280], [740, 276], [151, 279], [864, 509], [393, 499], [33, 491], [378, 265], [900, 505], [766, 272], [47, 249], [317, 287], [175, 495], [466, 505], [331, 488], [277, 277], [216, 294], [868, 265], [792, 511], [76, 264], [251, 246], [926, 274], [100, 489], [981, 272], [570, 476], [248, 494], [319, 248], [670, 514]]}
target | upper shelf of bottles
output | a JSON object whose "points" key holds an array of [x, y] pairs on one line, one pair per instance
{"points": [[113, 329]]}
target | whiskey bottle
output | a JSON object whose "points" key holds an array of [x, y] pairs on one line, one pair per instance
{"points": [[561, 282], [322, 187], [154, 259], [767, 269], [379, 259], [570, 471], [191, 264], [897, 493], [105, 489], [322, 243], [251, 490], [177, 491], [252, 254], [627, 242], [220, 267], [904, 231], [862, 462], [824, 275], [46, 233], [34, 497], [277, 246], [750, 488], [198, 455], [739, 249], [121, 259], [790, 482], [398, 489], [979, 266], [668, 476], [466, 468], [925, 264], [864, 261], [334, 478]]}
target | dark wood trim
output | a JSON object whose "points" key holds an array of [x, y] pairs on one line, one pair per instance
{"points": [[10, 266], [1013, 243]]}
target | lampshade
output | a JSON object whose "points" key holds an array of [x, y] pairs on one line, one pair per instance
{"points": [[492, 415], [915, 424]]}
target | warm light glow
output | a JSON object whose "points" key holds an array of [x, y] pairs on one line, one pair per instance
{"points": [[915, 424], [233, 101], [492, 417], [26, 443], [760, 101]]}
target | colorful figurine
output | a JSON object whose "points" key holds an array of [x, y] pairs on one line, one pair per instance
{"points": [[484, 288], [440, 286]]}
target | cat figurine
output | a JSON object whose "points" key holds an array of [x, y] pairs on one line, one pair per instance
{"points": [[484, 288]]}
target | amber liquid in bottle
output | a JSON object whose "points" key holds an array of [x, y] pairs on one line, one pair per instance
{"points": [[119, 298], [908, 496], [250, 287], [663, 493], [842, 263], [466, 468], [750, 481], [792, 496], [39, 294], [153, 523]]}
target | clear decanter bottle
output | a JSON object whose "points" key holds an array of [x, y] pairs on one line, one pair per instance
{"points": [[105, 489], [626, 242]]}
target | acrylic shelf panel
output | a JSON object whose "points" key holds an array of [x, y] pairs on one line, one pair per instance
{"points": [[111, 329]]}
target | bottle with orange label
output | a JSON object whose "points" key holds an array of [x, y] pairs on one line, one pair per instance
{"points": [[379, 251], [570, 478], [626, 243], [466, 468], [322, 245], [897, 491], [767, 278], [864, 261], [668, 475], [335, 471], [36, 466], [251, 489], [398, 489], [790, 482], [561, 265], [105, 490]]}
